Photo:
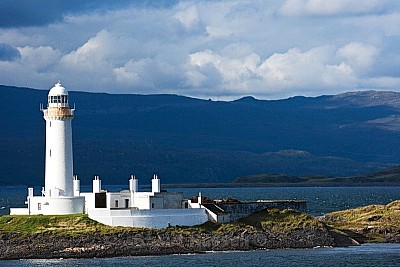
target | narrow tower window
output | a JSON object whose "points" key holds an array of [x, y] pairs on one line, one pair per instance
{"points": [[50, 152]]}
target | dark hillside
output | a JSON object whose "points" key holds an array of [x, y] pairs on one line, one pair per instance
{"points": [[192, 140]]}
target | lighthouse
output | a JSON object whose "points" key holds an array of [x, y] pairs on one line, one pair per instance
{"points": [[61, 192], [59, 157]]}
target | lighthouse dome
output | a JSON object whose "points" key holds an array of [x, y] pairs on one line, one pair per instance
{"points": [[58, 89], [58, 96]]}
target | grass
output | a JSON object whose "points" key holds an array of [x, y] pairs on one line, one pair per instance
{"points": [[273, 220], [79, 224], [374, 220], [368, 216], [56, 224], [282, 220]]}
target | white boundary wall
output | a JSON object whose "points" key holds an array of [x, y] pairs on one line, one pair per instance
{"points": [[19, 211], [51, 206], [149, 218]]}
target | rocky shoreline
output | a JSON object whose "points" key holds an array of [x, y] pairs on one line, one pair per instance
{"points": [[46, 245], [79, 237]]}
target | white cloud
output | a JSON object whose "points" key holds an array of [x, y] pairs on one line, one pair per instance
{"points": [[383, 83], [188, 16], [233, 70], [330, 7], [200, 59], [317, 68], [374, 25], [224, 49], [134, 72], [218, 32], [39, 58], [359, 56], [94, 53], [337, 76], [310, 70], [122, 75], [195, 78]]}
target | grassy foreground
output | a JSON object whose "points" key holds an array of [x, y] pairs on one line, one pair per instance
{"points": [[77, 236], [55, 224], [373, 223], [274, 219]]}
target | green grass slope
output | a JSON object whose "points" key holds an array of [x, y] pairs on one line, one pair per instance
{"points": [[375, 223]]}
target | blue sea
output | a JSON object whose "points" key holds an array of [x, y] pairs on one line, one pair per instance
{"points": [[320, 200]]}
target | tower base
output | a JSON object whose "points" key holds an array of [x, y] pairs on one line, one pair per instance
{"points": [[51, 206]]}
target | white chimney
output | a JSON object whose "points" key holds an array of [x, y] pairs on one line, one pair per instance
{"points": [[96, 184], [77, 186], [155, 184]]}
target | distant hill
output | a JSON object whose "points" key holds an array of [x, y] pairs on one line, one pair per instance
{"points": [[388, 176], [187, 140]]}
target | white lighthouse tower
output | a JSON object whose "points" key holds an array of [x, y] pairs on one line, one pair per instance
{"points": [[59, 161], [59, 195]]}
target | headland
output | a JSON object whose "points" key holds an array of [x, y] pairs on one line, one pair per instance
{"points": [[77, 236]]}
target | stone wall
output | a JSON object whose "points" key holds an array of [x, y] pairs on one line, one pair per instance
{"points": [[243, 209]]}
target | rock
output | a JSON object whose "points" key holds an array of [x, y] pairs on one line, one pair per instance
{"points": [[43, 245], [269, 229]]}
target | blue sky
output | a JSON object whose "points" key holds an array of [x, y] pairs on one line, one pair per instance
{"points": [[209, 49]]}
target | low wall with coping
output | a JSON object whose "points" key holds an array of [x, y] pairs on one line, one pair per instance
{"points": [[154, 218], [38, 205], [244, 209]]}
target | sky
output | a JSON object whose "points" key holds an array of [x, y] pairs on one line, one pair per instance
{"points": [[222, 50]]}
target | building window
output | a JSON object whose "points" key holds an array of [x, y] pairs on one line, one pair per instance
{"points": [[64, 99], [100, 200], [50, 152], [39, 206], [152, 205], [116, 203]]}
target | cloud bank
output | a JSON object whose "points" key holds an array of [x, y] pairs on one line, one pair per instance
{"points": [[209, 49]]}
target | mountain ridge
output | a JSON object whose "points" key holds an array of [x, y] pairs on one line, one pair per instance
{"points": [[194, 140]]}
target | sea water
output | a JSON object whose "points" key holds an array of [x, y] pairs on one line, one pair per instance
{"points": [[365, 255], [320, 200]]}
